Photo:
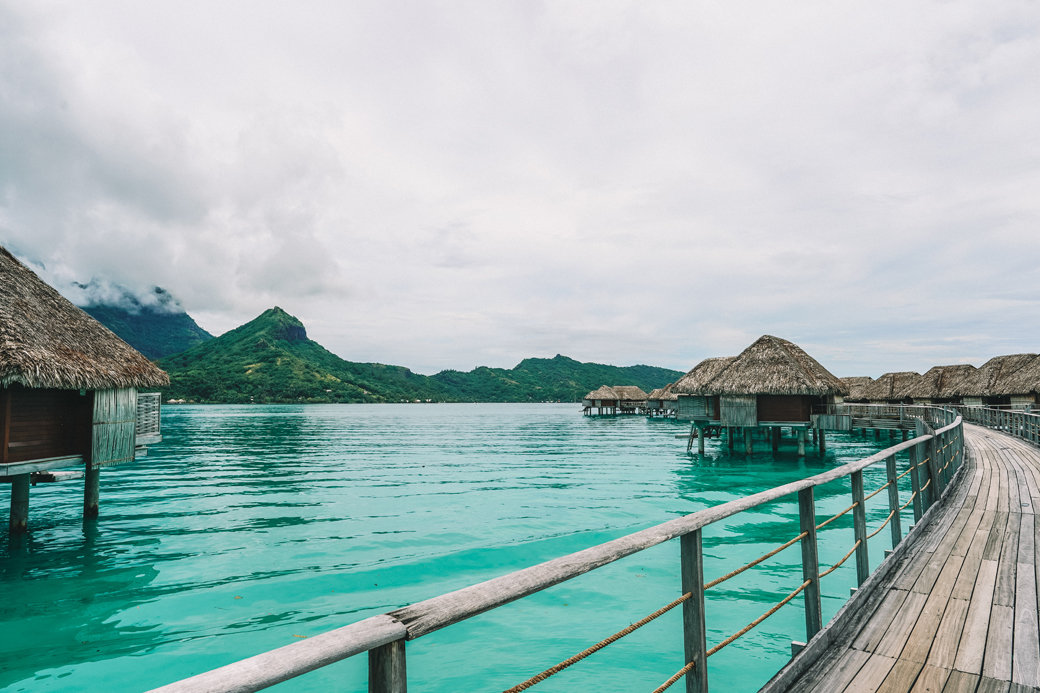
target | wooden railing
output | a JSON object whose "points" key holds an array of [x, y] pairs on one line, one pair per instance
{"points": [[934, 458], [1024, 425]]}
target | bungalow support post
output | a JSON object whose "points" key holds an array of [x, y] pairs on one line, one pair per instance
{"points": [[91, 490], [19, 504]]}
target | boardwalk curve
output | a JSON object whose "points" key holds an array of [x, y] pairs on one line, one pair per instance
{"points": [[956, 611]]}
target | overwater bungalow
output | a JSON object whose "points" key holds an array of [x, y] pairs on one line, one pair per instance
{"points": [[694, 403], [631, 399], [942, 384], [662, 401], [68, 392], [604, 400], [1022, 388], [773, 384], [892, 388], [857, 387], [994, 377]]}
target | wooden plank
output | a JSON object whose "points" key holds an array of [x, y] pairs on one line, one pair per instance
{"points": [[971, 650], [947, 638], [961, 682], [386, 669], [1004, 593], [996, 537], [901, 677], [1026, 656], [923, 634], [993, 686], [871, 674], [931, 680], [838, 675], [996, 663], [970, 568], [694, 635], [875, 629], [899, 630]]}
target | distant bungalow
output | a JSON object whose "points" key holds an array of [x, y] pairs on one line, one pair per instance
{"points": [[616, 399], [772, 384], [993, 378], [942, 384], [857, 387], [891, 388], [662, 401], [1022, 388], [68, 391]]}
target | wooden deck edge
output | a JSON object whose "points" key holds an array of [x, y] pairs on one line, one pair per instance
{"points": [[862, 604]]}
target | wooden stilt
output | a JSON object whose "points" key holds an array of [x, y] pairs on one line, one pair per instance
{"points": [[747, 441], [776, 439], [91, 489], [19, 504], [689, 443], [729, 436], [801, 442], [700, 440], [905, 436], [823, 442]]}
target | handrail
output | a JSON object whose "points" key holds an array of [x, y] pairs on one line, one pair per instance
{"points": [[384, 636]]}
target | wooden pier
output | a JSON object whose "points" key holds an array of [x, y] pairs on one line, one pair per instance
{"points": [[958, 611]]}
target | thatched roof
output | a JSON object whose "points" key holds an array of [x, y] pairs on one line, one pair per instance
{"points": [[857, 384], [629, 392], [664, 394], [603, 392], [774, 366], [694, 382], [996, 376], [891, 386], [942, 381], [1024, 381], [46, 342]]}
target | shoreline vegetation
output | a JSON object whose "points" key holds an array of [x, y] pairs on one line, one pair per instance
{"points": [[270, 360]]}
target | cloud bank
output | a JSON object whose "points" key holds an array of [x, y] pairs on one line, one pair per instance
{"points": [[444, 185]]}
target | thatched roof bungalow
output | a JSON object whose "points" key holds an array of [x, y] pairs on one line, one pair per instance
{"points": [[694, 402], [892, 388], [942, 384], [857, 386], [68, 386], [773, 382], [662, 400], [993, 382], [1022, 388]]}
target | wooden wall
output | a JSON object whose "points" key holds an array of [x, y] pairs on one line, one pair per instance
{"points": [[40, 423], [784, 407], [115, 420], [738, 410]]}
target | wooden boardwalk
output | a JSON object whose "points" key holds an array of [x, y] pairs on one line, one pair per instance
{"points": [[958, 614]]}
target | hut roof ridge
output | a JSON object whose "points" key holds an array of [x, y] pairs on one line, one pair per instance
{"points": [[775, 366]]}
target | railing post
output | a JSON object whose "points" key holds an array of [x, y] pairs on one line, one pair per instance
{"points": [[935, 489], [810, 563], [893, 500], [695, 640], [386, 669], [915, 482], [859, 525]]}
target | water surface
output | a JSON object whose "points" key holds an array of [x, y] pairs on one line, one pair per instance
{"points": [[251, 527]]}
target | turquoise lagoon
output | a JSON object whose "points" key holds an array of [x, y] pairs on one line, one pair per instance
{"points": [[252, 527]]}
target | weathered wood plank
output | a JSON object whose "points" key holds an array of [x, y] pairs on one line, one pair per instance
{"points": [[961, 682], [1026, 658], [875, 629], [923, 634], [996, 663], [971, 650], [899, 630], [871, 674], [838, 675], [931, 680], [1007, 565], [943, 653], [901, 677]]}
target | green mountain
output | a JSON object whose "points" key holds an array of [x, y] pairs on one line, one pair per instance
{"points": [[156, 326], [270, 359]]}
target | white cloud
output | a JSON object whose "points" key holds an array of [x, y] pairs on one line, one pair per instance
{"points": [[442, 185]]}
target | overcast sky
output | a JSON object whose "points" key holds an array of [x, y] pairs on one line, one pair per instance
{"points": [[448, 185]]}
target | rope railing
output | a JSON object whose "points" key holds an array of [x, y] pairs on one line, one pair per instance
{"points": [[752, 564], [675, 677], [908, 502], [866, 498], [844, 558], [883, 525], [843, 512], [552, 671], [746, 629]]}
